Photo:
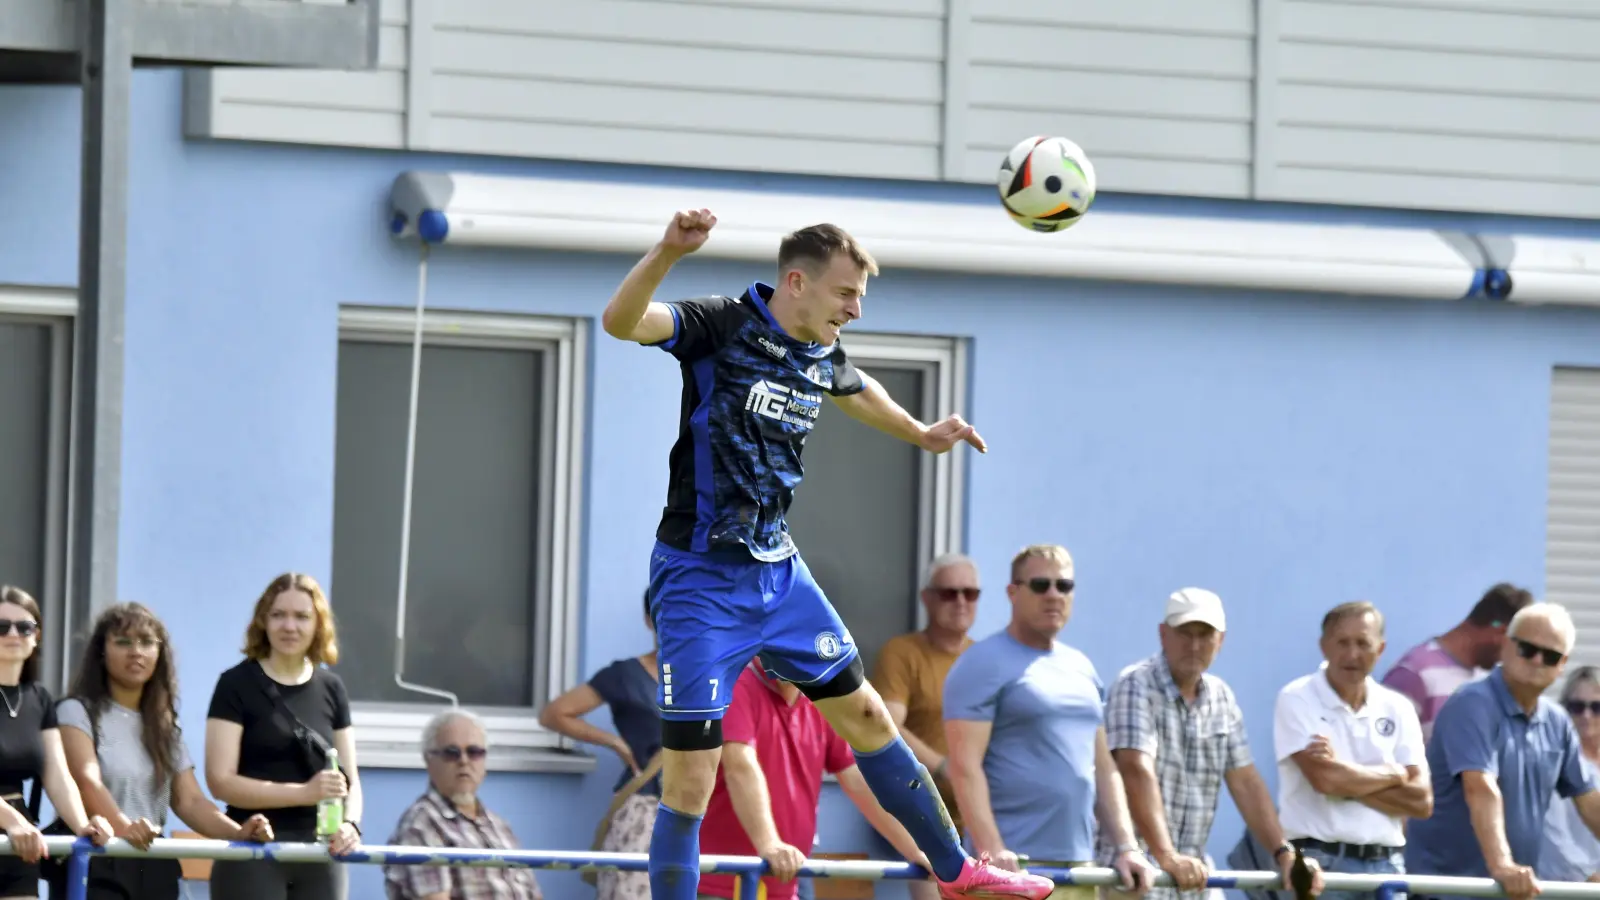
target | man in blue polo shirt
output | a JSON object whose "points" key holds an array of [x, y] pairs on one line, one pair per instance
{"points": [[1500, 752]]}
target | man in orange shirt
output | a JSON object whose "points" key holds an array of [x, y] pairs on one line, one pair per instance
{"points": [[912, 667]]}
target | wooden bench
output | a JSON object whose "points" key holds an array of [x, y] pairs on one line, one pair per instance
{"points": [[843, 888], [193, 869]]}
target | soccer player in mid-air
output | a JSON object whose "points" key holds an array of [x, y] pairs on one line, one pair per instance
{"points": [[725, 578]]}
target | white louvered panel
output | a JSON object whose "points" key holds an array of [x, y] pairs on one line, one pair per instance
{"points": [[1572, 525]]}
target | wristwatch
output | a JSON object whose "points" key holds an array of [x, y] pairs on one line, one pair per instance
{"points": [[1283, 848]]}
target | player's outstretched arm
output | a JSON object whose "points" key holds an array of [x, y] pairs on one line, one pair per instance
{"points": [[873, 406], [632, 315]]}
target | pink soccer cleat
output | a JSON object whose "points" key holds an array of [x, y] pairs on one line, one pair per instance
{"points": [[979, 879]]}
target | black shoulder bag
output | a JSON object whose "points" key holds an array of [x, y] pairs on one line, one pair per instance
{"points": [[313, 747]]}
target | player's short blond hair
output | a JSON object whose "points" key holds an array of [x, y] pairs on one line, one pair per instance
{"points": [[1053, 552], [815, 247]]}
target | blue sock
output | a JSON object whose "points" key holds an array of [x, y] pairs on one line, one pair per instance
{"points": [[905, 789], [674, 855]]}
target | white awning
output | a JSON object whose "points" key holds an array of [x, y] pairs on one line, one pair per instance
{"points": [[605, 216]]}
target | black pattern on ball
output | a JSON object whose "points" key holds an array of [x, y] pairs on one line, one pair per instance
{"points": [[1052, 184]]}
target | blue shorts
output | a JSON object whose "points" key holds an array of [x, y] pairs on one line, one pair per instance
{"points": [[715, 612]]}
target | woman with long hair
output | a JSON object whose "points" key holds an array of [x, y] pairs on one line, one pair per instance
{"points": [[627, 687], [30, 749], [272, 721], [119, 725]]}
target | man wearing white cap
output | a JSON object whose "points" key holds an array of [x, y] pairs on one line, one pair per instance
{"points": [[1177, 736]]}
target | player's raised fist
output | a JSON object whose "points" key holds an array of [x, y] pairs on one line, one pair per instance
{"points": [[688, 231]]}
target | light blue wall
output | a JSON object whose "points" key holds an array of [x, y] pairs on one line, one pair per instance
{"points": [[1290, 452]]}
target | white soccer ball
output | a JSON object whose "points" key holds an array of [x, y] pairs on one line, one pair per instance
{"points": [[1046, 183]]}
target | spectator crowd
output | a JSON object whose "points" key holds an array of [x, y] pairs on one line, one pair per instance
{"points": [[1454, 763]]}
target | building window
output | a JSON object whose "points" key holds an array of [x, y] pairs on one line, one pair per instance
{"points": [[873, 510], [491, 597], [1572, 524], [35, 432]]}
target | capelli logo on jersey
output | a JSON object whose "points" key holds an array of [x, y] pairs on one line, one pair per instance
{"points": [[770, 347], [774, 401]]}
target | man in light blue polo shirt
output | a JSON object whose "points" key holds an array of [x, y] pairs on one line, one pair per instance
{"points": [[1023, 717], [1500, 751]]}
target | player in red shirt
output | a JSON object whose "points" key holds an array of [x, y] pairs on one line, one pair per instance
{"points": [[776, 747]]}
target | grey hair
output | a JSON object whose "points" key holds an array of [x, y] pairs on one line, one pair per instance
{"points": [[1579, 677], [1554, 613], [430, 731], [944, 561]]}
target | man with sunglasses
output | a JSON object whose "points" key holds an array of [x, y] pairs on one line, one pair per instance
{"points": [[455, 746], [1028, 757], [1177, 734], [912, 668], [1500, 753]]}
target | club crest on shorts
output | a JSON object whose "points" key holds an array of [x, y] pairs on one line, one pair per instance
{"points": [[828, 646]]}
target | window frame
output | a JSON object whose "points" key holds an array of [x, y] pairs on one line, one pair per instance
{"points": [[388, 735], [56, 309], [944, 360]]}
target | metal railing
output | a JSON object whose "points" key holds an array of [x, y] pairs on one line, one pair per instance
{"points": [[749, 869]]}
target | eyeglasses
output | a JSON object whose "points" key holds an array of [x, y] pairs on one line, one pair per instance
{"points": [[24, 627], [1041, 585], [1583, 708], [1546, 655], [454, 753], [128, 643], [952, 594]]}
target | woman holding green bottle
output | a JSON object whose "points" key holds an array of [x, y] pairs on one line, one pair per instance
{"points": [[279, 742]]}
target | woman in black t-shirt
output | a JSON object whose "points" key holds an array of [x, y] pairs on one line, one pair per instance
{"points": [[30, 748], [271, 719]]}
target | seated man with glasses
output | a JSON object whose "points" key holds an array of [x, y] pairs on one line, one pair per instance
{"points": [[1501, 751], [449, 814]]}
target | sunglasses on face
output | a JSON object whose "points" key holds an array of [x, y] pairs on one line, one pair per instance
{"points": [[1042, 585], [24, 627], [454, 753], [952, 594], [1545, 654], [1583, 707]]}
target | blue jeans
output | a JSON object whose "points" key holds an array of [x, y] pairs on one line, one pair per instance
{"points": [[1393, 865]]}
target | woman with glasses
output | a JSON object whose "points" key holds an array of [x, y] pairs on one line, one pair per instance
{"points": [[30, 750], [627, 687], [272, 721], [1570, 851], [119, 726]]}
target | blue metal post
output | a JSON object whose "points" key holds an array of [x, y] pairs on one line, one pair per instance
{"points": [[749, 885], [78, 870]]}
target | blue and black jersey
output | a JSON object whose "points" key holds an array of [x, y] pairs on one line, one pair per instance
{"points": [[751, 394]]}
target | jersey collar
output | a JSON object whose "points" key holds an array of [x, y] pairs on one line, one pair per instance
{"points": [[757, 295]]}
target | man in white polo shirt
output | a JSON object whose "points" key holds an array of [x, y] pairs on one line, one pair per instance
{"points": [[1351, 763]]}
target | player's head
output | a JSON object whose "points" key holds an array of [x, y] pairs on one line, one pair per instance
{"points": [[823, 272]]}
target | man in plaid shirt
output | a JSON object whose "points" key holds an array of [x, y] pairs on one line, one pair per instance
{"points": [[1177, 735], [450, 814]]}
